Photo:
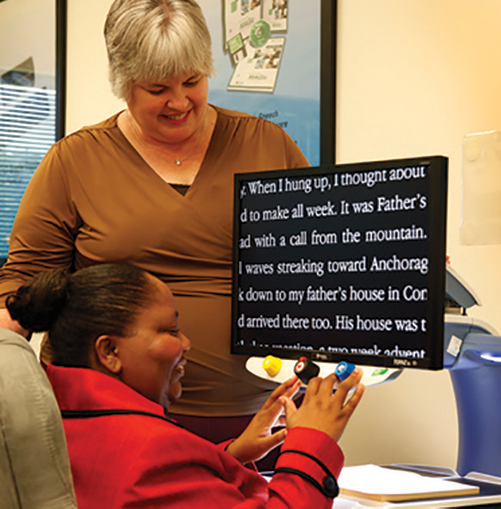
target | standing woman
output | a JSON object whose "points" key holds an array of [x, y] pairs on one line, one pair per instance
{"points": [[153, 186]]}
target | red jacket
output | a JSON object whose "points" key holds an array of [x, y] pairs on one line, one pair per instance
{"points": [[142, 459]]}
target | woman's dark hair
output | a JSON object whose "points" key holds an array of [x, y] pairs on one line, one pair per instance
{"points": [[78, 308]]}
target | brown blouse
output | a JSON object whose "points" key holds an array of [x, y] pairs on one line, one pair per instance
{"points": [[93, 199]]}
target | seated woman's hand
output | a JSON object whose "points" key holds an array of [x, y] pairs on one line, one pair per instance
{"points": [[257, 439], [323, 410]]}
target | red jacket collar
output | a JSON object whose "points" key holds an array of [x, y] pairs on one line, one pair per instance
{"points": [[87, 389]]}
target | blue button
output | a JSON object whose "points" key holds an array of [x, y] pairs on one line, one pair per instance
{"points": [[344, 370]]}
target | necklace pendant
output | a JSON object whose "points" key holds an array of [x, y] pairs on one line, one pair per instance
{"points": [[178, 162]]}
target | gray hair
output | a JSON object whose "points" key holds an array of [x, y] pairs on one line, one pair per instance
{"points": [[155, 40]]}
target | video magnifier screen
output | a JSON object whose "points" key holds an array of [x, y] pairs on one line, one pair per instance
{"points": [[342, 263]]}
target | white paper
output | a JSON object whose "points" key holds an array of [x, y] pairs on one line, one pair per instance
{"points": [[454, 346], [374, 480], [481, 189]]}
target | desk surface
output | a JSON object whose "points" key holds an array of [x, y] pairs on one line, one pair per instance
{"points": [[489, 495], [478, 501]]}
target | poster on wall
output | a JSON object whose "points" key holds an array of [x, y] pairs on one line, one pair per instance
{"points": [[267, 55]]}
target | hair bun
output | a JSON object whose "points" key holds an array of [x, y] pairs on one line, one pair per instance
{"points": [[40, 300]]}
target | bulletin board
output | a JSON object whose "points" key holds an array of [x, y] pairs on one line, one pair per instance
{"points": [[276, 59]]}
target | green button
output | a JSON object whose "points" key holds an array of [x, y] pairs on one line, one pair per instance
{"points": [[380, 371]]}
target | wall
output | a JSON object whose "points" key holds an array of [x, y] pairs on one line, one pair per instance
{"points": [[28, 31], [414, 77], [89, 97]]}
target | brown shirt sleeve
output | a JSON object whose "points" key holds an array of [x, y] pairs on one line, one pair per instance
{"points": [[44, 229]]}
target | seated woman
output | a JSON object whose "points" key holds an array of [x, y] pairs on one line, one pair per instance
{"points": [[119, 360]]}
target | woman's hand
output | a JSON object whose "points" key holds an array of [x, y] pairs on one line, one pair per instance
{"points": [[257, 439], [323, 410]]}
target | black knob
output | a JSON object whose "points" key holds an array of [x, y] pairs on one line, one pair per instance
{"points": [[306, 369]]}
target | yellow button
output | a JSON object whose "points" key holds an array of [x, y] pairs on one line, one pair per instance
{"points": [[272, 365]]}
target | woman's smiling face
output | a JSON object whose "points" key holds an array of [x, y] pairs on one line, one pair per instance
{"points": [[172, 111], [152, 354]]}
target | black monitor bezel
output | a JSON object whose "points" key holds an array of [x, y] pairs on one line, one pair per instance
{"points": [[436, 279]]}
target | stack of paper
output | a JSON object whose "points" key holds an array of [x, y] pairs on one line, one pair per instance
{"points": [[391, 485]]}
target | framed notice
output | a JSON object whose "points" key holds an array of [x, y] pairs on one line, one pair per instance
{"points": [[276, 59], [32, 95], [342, 263]]}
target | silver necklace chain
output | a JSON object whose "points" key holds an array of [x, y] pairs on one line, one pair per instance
{"points": [[176, 161]]}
